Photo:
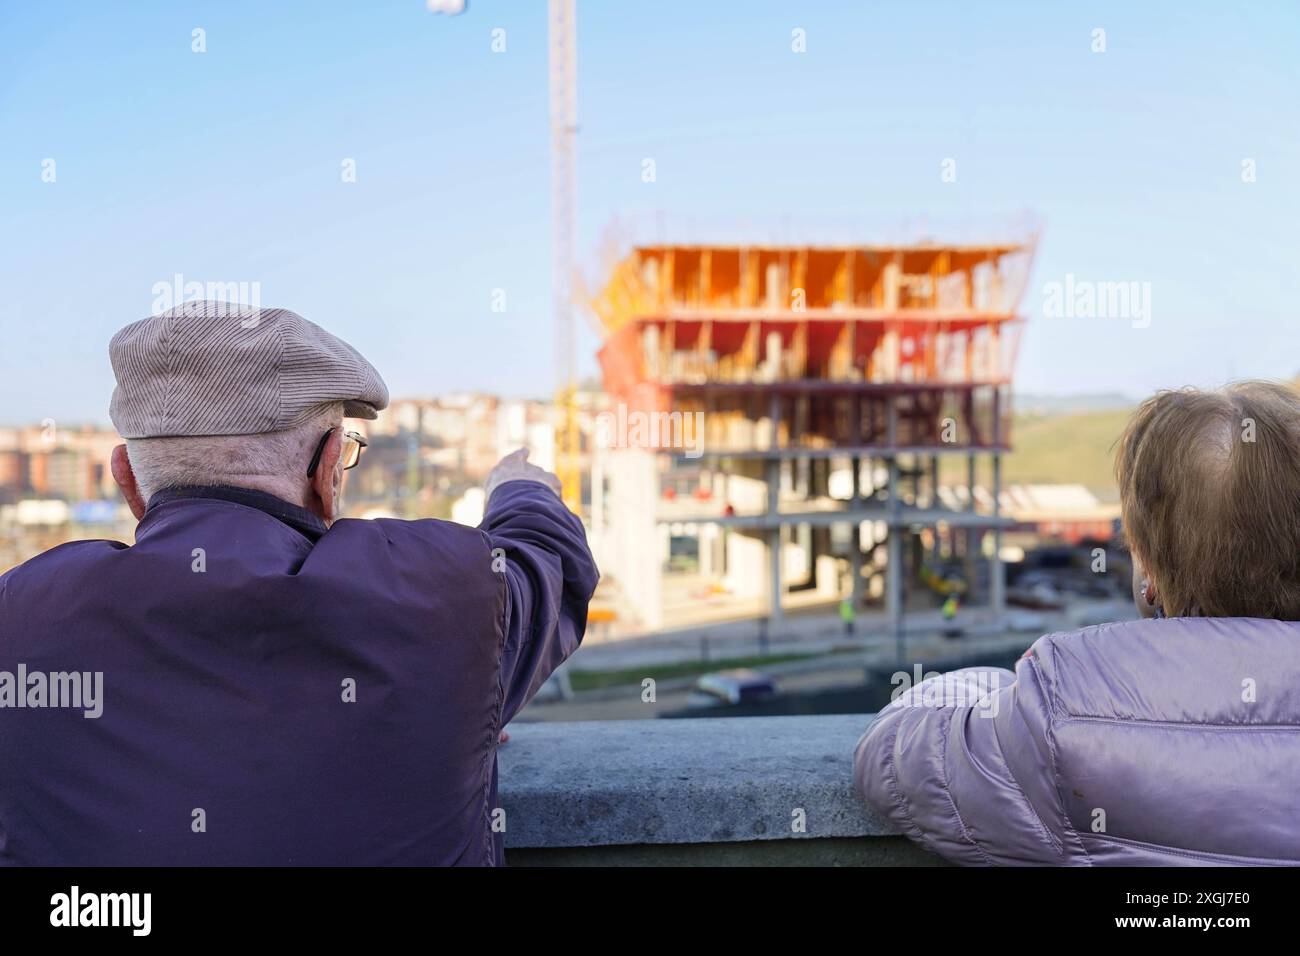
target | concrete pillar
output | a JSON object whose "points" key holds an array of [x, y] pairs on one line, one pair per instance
{"points": [[936, 549], [894, 570], [971, 535], [746, 561], [773, 511], [997, 416], [774, 541], [774, 577], [598, 493], [855, 542], [997, 583], [633, 542]]}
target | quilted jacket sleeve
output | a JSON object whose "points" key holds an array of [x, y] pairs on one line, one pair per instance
{"points": [[962, 763]]}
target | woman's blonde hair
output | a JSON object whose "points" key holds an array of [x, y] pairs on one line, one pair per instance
{"points": [[1210, 494]]}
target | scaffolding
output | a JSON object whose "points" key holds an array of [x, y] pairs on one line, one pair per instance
{"points": [[794, 359]]}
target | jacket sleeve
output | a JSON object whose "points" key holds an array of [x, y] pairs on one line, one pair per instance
{"points": [[541, 548], [962, 763]]}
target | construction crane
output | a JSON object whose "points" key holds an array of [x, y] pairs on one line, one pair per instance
{"points": [[563, 31]]}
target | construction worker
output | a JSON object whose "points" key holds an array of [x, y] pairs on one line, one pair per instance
{"points": [[949, 612], [847, 614]]}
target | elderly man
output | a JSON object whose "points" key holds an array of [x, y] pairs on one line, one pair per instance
{"points": [[279, 686]]}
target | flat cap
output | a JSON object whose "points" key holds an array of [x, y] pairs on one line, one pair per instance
{"points": [[219, 368]]}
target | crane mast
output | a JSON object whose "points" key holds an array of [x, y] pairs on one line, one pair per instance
{"points": [[564, 126]]}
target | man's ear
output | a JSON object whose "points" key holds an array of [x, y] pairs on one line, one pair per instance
{"points": [[120, 465], [325, 485]]}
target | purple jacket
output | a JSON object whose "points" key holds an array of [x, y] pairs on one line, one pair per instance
{"points": [[275, 693], [1157, 742]]}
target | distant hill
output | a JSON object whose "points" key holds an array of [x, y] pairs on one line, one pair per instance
{"points": [[1028, 404], [1067, 449], [1065, 439], [1055, 449]]}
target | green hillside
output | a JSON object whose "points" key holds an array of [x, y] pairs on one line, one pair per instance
{"points": [[1067, 449], [1057, 449], [1062, 449]]}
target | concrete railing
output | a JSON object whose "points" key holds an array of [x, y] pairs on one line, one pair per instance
{"points": [[743, 790]]}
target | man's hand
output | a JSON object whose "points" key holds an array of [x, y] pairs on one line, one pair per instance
{"points": [[515, 467]]}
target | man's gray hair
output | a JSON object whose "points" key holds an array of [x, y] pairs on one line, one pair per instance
{"points": [[274, 462]]}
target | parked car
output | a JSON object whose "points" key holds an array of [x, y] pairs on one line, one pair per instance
{"points": [[741, 686], [1036, 589]]}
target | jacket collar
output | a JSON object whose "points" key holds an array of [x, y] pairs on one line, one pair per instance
{"points": [[300, 519]]}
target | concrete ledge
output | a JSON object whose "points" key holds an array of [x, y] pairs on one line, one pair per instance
{"points": [[677, 784]]}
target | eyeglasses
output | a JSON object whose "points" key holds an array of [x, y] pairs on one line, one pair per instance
{"points": [[350, 454]]}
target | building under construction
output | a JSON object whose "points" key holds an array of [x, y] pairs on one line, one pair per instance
{"points": [[811, 394]]}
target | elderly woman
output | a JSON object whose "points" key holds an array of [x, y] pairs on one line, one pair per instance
{"points": [[1170, 740]]}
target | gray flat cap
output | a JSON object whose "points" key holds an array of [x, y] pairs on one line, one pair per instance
{"points": [[218, 368]]}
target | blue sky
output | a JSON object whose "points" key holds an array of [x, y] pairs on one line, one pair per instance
{"points": [[225, 166]]}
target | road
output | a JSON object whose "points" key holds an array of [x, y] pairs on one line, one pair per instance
{"points": [[841, 662]]}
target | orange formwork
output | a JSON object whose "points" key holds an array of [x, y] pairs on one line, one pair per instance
{"points": [[857, 346]]}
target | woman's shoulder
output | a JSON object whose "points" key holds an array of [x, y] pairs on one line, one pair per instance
{"points": [[1183, 669]]}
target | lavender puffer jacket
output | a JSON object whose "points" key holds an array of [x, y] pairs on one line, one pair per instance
{"points": [[1148, 743]]}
